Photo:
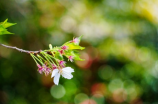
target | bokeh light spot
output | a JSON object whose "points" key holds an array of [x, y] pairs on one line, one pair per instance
{"points": [[105, 72], [87, 60], [129, 86], [70, 87], [99, 88], [57, 91], [119, 95], [99, 98], [80, 98], [88, 101], [115, 84]]}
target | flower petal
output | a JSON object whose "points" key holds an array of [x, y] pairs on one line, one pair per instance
{"points": [[56, 78], [67, 75], [55, 71], [66, 72], [68, 69]]}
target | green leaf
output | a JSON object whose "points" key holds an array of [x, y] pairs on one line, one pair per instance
{"points": [[74, 54], [5, 25], [76, 57], [74, 46], [3, 30], [4, 22]]}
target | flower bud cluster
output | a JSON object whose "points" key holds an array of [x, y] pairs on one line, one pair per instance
{"points": [[48, 60]]}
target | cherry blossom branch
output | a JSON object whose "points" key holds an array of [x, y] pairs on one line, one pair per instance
{"points": [[52, 61], [18, 49]]}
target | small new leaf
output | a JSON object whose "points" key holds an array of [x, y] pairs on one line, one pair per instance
{"points": [[5, 25], [74, 46], [76, 57], [74, 54]]}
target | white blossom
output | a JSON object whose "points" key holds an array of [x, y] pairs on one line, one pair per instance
{"points": [[65, 72]]}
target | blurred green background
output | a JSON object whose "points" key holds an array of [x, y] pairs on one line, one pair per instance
{"points": [[121, 40]]}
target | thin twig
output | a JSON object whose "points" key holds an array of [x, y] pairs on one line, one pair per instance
{"points": [[21, 50]]}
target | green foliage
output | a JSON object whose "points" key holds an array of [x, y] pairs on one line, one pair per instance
{"points": [[74, 46], [3, 27], [74, 54]]}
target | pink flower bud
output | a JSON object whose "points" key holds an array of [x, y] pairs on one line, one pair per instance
{"points": [[64, 47], [40, 68], [71, 58], [54, 66], [62, 63], [76, 41], [38, 65], [61, 52], [47, 71]]}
